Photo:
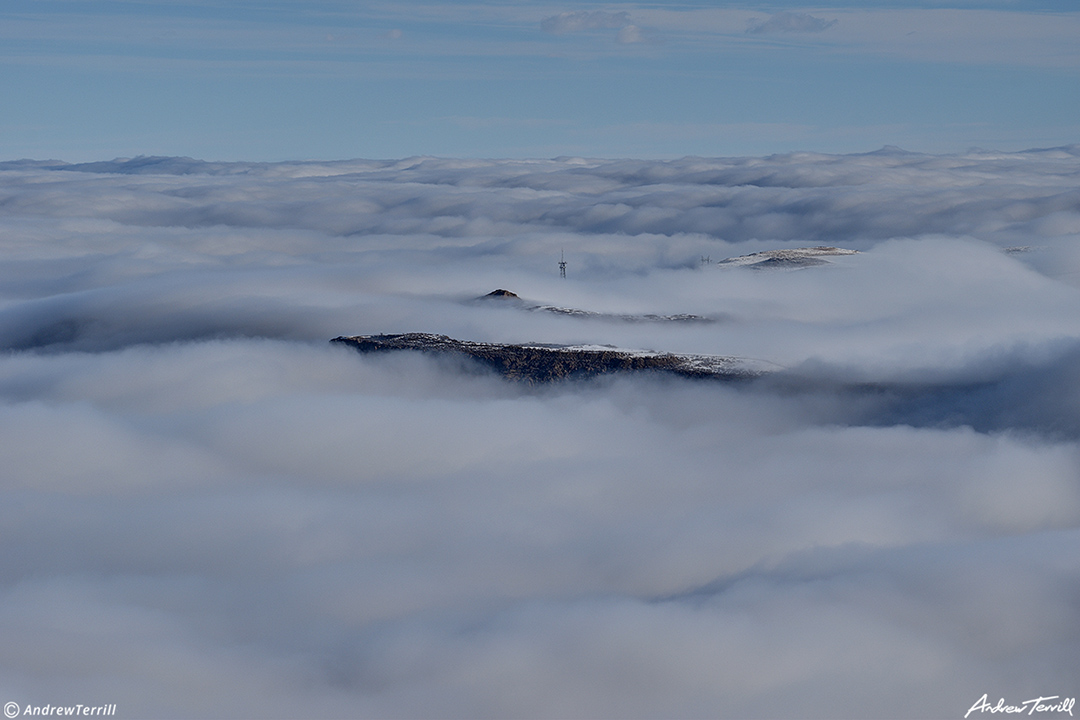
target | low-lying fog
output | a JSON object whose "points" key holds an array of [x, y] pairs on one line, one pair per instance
{"points": [[208, 510]]}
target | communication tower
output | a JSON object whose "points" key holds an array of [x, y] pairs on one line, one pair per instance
{"points": [[562, 265]]}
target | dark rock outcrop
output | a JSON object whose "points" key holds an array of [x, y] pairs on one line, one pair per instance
{"points": [[535, 363]]}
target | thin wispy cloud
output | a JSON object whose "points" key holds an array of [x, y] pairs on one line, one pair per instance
{"points": [[790, 22], [581, 20], [629, 35]]}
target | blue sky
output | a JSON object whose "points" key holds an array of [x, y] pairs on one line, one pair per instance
{"points": [[274, 80]]}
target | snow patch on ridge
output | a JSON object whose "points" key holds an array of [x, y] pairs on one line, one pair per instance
{"points": [[793, 258]]}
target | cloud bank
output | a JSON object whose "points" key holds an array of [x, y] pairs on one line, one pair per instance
{"points": [[210, 511]]}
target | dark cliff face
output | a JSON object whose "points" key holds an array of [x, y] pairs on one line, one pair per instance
{"points": [[540, 364], [787, 262]]}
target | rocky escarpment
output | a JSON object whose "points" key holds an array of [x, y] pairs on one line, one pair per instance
{"points": [[538, 363]]}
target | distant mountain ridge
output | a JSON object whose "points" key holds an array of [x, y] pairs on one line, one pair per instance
{"points": [[508, 298]]}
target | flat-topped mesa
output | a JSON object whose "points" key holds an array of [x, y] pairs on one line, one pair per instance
{"points": [[537, 363]]}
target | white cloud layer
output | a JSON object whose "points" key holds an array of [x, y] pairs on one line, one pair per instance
{"points": [[208, 510]]}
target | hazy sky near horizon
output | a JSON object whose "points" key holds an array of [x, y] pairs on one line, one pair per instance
{"points": [[275, 79]]}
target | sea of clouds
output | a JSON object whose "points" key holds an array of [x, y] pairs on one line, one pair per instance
{"points": [[207, 510]]}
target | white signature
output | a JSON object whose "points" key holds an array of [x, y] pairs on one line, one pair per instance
{"points": [[1028, 706]]}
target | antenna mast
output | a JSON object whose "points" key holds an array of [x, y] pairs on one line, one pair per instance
{"points": [[562, 265]]}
